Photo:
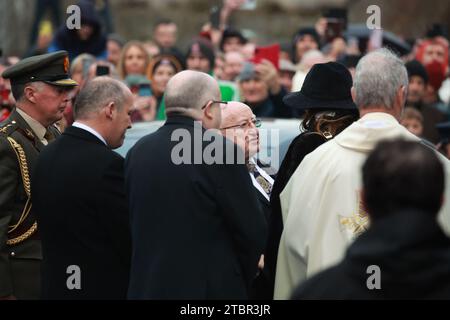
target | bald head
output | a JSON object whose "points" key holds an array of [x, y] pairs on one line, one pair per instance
{"points": [[191, 90], [237, 125], [234, 113]]}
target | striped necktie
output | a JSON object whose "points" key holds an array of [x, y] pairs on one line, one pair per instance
{"points": [[263, 182]]}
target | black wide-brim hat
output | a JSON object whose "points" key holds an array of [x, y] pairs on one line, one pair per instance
{"points": [[327, 86]]}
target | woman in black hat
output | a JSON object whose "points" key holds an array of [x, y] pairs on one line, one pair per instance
{"points": [[329, 109]]}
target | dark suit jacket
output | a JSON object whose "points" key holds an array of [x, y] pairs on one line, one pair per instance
{"points": [[261, 289], [197, 229], [79, 200], [19, 263], [412, 254]]}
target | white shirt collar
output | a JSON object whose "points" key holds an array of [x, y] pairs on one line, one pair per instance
{"points": [[89, 129]]}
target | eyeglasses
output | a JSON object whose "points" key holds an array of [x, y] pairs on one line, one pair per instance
{"points": [[212, 102], [255, 121]]}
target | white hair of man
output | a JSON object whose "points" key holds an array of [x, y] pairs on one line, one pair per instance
{"points": [[379, 75]]}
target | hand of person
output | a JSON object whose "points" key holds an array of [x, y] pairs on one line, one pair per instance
{"points": [[141, 103], [261, 262], [146, 107], [228, 7], [215, 34], [269, 75], [232, 5]]}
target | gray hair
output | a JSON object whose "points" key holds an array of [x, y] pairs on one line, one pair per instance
{"points": [[18, 90], [98, 93], [190, 90], [378, 77]]}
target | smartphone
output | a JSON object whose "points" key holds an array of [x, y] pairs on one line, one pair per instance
{"points": [[145, 90], [102, 71], [214, 17]]}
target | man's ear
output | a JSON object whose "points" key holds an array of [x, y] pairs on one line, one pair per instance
{"points": [[207, 112], [400, 99], [353, 92], [110, 110], [30, 93]]}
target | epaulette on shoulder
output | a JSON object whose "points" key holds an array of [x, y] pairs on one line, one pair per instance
{"points": [[8, 127]]}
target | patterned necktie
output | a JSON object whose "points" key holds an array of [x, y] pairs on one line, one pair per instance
{"points": [[265, 185]]}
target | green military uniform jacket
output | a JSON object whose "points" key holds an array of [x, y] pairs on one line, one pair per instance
{"points": [[20, 247]]}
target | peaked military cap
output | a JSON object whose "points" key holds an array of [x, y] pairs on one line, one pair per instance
{"points": [[52, 68]]}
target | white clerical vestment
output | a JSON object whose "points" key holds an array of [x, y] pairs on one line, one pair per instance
{"points": [[321, 206]]}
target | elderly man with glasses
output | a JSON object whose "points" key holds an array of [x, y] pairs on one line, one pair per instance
{"points": [[240, 125]]}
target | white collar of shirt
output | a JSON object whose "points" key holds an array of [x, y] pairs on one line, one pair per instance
{"points": [[265, 175], [90, 130]]}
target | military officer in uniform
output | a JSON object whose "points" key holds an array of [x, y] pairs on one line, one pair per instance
{"points": [[40, 85]]}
